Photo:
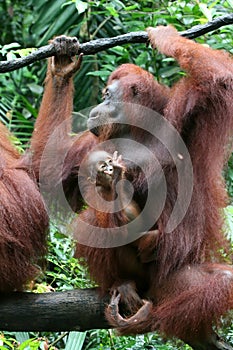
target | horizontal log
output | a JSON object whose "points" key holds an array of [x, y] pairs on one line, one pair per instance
{"points": [[75, 310], [95, 46]]}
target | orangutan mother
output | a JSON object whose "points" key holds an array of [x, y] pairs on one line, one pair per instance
{"points": [[186, 288]]}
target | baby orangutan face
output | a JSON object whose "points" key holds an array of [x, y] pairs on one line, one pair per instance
{"points": [[104, 168]]}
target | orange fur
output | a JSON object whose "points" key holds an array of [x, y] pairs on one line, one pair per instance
{"points": [[187, 282], [23, 218]]}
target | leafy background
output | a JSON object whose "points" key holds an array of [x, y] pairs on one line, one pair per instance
{"points": [[29, 24]]}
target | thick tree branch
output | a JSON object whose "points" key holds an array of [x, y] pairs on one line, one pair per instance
{"points": [[63, 311], [95, 46], [76, 310]]}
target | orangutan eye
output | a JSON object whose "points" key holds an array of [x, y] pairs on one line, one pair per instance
{"points": [[135, 91], [106, 94], [102, 166]]}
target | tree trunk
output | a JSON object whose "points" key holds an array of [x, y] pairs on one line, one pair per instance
{"points": [[75, 310]]}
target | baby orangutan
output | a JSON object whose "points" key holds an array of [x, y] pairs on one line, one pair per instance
{"points": [[103, 176], [106, 173]]}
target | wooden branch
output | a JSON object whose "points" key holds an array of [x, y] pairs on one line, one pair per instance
{"points": [[53, 312], [75, 310], [199, 30], [95, 46]]}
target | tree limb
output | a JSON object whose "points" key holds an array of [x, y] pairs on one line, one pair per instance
{"points": [[76, 310], [95, 46]]}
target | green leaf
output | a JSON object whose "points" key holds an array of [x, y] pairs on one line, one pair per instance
{"points": [[30, 344], [132, 7], [100, 73], [25, 52], [35, 88], [81, 6], [206, 12], [168, 71], [112, 11], [230, 2], [228, 213], [10, 46], [22, 336], [75, 341]]}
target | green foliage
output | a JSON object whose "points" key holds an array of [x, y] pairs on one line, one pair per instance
{"points": [[64, 272], [229, 176], [75, 341], [32, 341], [20, 341], [19, 91], [107, 339], [28, 24], [228, 211]]}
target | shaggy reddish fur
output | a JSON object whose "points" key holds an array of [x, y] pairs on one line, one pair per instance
{"points": [[189, 287], [23, 218]]}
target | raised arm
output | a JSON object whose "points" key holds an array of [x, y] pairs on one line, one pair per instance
{"points": [[56, 156], [201, 103], [57, 104], [200, 107], [199, 61], [207, 88]]}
